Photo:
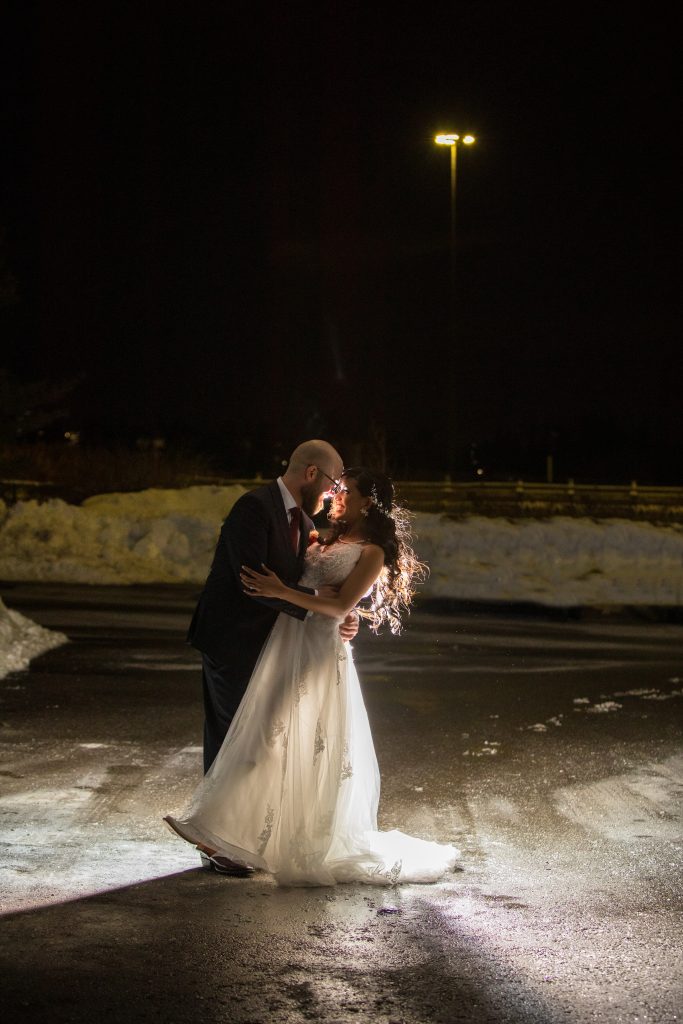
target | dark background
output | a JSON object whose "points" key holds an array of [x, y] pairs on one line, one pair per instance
{"points": [[230, 224]]}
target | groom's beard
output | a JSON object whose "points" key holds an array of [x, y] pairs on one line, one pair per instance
{"points": [[311, 501]]}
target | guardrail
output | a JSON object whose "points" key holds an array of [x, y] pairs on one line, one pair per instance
{"points": [[513, 499], [521, 498], [12, 491]]}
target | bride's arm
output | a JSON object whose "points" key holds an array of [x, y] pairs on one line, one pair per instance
{"points": [[354, 587]]}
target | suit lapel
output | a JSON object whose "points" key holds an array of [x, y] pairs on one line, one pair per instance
{"points": [[281, 517]]}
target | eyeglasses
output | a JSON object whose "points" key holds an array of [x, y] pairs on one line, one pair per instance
{"points": [[336, 484]]}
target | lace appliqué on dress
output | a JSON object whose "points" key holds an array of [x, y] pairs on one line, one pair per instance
{"points": [[276, 729], [299, 850], [319, 742], [341, 664], [392, 875], [347, 767], [267, 830], [301, 690]]}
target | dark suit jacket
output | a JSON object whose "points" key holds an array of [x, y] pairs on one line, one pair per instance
{"points": [[227, 625]]}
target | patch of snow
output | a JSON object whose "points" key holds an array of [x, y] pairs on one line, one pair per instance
{"points": [[21, 640], [649, 693], [634, 693], [604, 707], [165, 536], [561, 562], [153, 536]]}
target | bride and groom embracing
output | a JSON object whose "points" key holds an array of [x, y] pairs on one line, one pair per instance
{"points": [[292, 783]]}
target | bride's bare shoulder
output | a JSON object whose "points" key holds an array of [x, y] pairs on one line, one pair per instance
{"points": [[372, 552]]}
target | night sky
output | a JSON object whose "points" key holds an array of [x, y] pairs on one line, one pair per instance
{"points": [[230, 221]]}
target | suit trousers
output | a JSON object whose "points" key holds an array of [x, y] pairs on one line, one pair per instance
{"points": [[222, 696]]}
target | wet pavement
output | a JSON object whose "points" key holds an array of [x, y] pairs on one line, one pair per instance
{"points": [[549, 751]]}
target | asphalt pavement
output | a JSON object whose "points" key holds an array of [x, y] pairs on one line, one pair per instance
{"points": [[548, 750]]}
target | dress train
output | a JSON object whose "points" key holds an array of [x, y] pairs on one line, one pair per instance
{"points": [[295, 787]]}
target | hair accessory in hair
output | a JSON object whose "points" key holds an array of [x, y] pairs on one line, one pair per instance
{"points": [[380, 504]]}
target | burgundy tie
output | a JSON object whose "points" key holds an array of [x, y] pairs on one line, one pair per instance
{"points": [[294, 527]]}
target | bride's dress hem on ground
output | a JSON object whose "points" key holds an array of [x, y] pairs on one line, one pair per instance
{"points": [[295, 787]]}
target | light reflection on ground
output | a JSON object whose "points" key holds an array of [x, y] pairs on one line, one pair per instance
{"points": [[567, 905]]}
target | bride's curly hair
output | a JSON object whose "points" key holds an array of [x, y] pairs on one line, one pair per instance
{"points": [[387, 525]]}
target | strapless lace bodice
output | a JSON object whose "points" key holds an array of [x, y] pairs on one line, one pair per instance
{"points": [[329, 565]]}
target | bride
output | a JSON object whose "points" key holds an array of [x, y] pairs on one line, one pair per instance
{"points": [[295, 787]]}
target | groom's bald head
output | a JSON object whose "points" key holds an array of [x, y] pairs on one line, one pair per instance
{"points": [[312, 468], [316, 453]]}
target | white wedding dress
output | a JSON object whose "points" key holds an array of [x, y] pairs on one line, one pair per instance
{"points": [[295, 787]]}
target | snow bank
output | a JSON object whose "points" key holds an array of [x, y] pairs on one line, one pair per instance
{"points": [[21, 640], [562, 562], [169, 536], [154, 536]]}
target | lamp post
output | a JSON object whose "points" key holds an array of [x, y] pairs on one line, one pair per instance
{"points": [[453, 140]]}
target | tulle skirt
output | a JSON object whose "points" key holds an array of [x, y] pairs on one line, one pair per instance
{"points": [[295, 787]]}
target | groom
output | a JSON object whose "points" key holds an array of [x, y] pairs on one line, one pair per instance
{"points": [[267, 526]]}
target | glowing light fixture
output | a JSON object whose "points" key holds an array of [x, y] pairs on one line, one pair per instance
{"points": [[451, 139]]}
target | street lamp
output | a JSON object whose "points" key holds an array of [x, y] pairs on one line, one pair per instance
{"points": [[453, 140]]}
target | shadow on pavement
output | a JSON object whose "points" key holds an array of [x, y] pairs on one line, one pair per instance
{"points": [[194, 947]]}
